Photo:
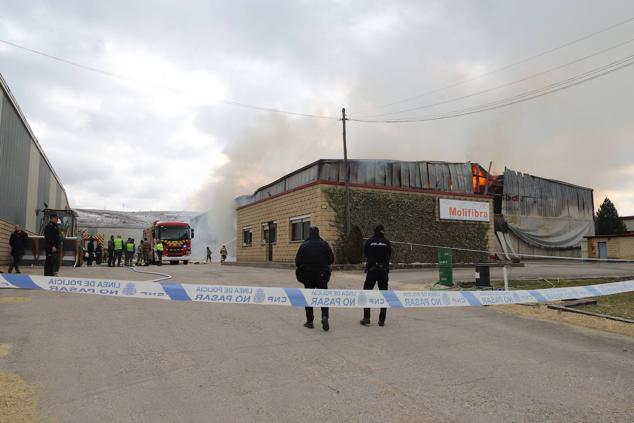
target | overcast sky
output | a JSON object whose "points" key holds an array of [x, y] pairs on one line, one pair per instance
{"points": [[118, 144]]}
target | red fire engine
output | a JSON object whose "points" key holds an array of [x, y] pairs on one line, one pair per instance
{"points": [[176, 238]]}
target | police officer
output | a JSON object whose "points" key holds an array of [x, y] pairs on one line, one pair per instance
{"points": [[312, 262], [377, 251], [52, 240]]}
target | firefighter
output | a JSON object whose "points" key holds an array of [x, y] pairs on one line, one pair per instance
{"points": [[17, 241], [52, 239], [146, 252], [139, 254], [377, 251], [312, 263], [159, 252], [118, 250], [223, 254], [129, 252], [208, 259]]}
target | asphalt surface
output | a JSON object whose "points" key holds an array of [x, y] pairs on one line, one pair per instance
{"points": [[98, 359]]}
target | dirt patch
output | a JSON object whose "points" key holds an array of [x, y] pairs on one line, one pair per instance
{"points": [[12, 300], [17, 400], [541, 312]]}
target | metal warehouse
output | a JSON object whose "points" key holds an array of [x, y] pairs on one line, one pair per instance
{"points": [[27, 180], [420, 203]]}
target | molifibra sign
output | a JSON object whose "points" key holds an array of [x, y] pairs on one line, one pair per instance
{"points": [[472, 211]]}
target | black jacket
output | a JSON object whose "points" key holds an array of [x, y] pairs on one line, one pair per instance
{"points": [[314, 255], [51, 237], [377, 251], [18, 241], [91, 247]]}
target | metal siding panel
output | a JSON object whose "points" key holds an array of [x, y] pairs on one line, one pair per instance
{"points": [[58, 198], [14, 164], [43, 184]]}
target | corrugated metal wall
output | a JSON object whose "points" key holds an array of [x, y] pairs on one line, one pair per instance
{"points": [[436, 176], [15, 145], [545, 213], [16, 161]]}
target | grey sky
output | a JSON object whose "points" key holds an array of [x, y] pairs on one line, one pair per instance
{"points": [[117, 143]]}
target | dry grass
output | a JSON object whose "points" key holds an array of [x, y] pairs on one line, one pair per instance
{"points": [[13, 300], [17, 400], [542, 312]]}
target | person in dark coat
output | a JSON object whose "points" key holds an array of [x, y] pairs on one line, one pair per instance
{"points": [[18, 241], [91, 251], [111, 251], [312, 263], [377, 251], [52, 241], [98, 253]]}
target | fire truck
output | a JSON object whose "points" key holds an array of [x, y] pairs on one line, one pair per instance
{"points": [[176, 238]]}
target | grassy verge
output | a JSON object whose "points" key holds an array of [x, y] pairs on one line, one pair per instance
{"points": [[620, 305]]}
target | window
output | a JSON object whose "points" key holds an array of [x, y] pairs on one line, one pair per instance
{"points": [[299, 228], [265, 233], [247, 236]]}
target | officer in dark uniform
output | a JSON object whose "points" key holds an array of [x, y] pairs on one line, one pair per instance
{"points": [[377, 251], [52, 241], [312, 262]]}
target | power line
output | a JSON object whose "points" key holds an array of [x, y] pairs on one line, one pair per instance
{"points": [[510, 65], [160, 87], [526, 96], [517, 81]]}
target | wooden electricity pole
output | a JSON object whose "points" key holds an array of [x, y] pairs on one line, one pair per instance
{"points": [[347, 173]]}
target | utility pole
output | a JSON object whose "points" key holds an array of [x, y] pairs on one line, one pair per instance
{"points": [[346, 177]]}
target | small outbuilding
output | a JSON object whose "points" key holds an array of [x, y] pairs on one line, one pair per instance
{"points": [[615, 246]]}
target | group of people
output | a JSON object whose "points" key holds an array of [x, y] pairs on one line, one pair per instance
{"points": [[314, 258], [223, 254], [118, 249]]}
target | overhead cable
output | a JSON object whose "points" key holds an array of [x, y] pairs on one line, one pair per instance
{"points": [[161, 87], [526, 96], [508, 66], [508, 84]]}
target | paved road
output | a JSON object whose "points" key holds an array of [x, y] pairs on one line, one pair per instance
{"points": [[96, 359]]}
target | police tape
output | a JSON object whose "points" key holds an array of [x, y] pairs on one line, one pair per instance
{"points": [[298, 297]]}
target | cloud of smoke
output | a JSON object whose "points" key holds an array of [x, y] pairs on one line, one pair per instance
{"points": [[263, 151]]}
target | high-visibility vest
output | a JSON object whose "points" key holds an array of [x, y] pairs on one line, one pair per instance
{"points": [[118, 244], [130, 247], [159, 246]]}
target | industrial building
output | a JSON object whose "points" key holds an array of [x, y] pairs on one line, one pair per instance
{"points": [[421, 204], [28, 182]]}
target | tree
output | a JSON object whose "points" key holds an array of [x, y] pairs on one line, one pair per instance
{"points": [[608, 221]]}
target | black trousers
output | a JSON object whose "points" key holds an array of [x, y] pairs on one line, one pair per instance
{"points": [[315, 281], [51, 264], [373, 277], [110, 258], [17, 258]]}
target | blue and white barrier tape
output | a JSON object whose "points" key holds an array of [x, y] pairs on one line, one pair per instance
{"points": [[298, 297]]}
